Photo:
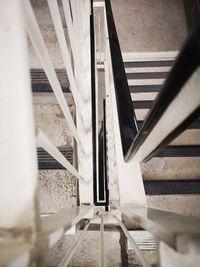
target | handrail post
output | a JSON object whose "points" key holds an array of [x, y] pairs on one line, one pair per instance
{"points": [[131, 188], [85, 165]]}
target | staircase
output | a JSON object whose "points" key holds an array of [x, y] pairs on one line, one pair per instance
{"points": [[172, 177], [79, 189]]}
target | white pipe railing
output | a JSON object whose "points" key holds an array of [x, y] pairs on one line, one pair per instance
{"points": [[102, 261], [40, 47], [74, 48], [67, 258], [44, 142], [54, 10]]}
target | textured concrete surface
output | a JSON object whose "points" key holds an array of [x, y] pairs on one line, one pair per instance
{"points": [[156, 25], [186, 205], [87, 254], [57, 191], [171, 168], [50, 119], [57, 188]]}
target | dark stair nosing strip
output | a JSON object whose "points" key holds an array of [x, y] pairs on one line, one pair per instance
{"points": [[40, 83], [172, 187], [180, 151], [155, 63], [147, 75], [47, 162], [143, 104], [144, 88]]}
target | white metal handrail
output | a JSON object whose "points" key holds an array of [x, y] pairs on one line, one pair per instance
{"points": [[40, 47], [75, 52], [54, 10], [44, 142], [55, 225]]}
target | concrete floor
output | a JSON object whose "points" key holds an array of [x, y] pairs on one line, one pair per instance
{"points": [[150, 26]]}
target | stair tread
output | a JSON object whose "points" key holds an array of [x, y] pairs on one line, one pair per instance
{"points": [[46, 161]]}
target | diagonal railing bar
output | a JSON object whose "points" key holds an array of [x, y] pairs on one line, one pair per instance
{"points": [[54, 10], [102, 260], [55, 225], [73, 42], [40, 47], [43, 141], [138, 252], [179, 93], [67, 258], [77, 26]]}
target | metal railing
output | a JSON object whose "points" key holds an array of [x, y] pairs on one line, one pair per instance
{"points": [[177, 105], [119, 138]]}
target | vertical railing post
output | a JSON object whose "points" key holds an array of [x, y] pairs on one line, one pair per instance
{"points": [[131, 188], [85, 164]]}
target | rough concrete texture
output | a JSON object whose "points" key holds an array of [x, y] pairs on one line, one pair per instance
{"points": [[151, 256], [186, 205], [87, 254], [57, 190], [51, 42], [188, 137], [50, 119], [156, 25], [171, 168]]}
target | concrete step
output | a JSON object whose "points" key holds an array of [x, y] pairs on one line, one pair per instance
{"points": [[47, 162], [171, 168], [175, 172], [57, 187]]}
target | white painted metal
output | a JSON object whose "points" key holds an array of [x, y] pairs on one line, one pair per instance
{"points": [[111, 147], [54, 10], [181, 107], [173, 258], [129, 174], [74, 48], [45, 143], [102, 260], [85, 165], [77, 26], [67, 258], [138, 252], [54, 226], [17, 138], [40, 47]]}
